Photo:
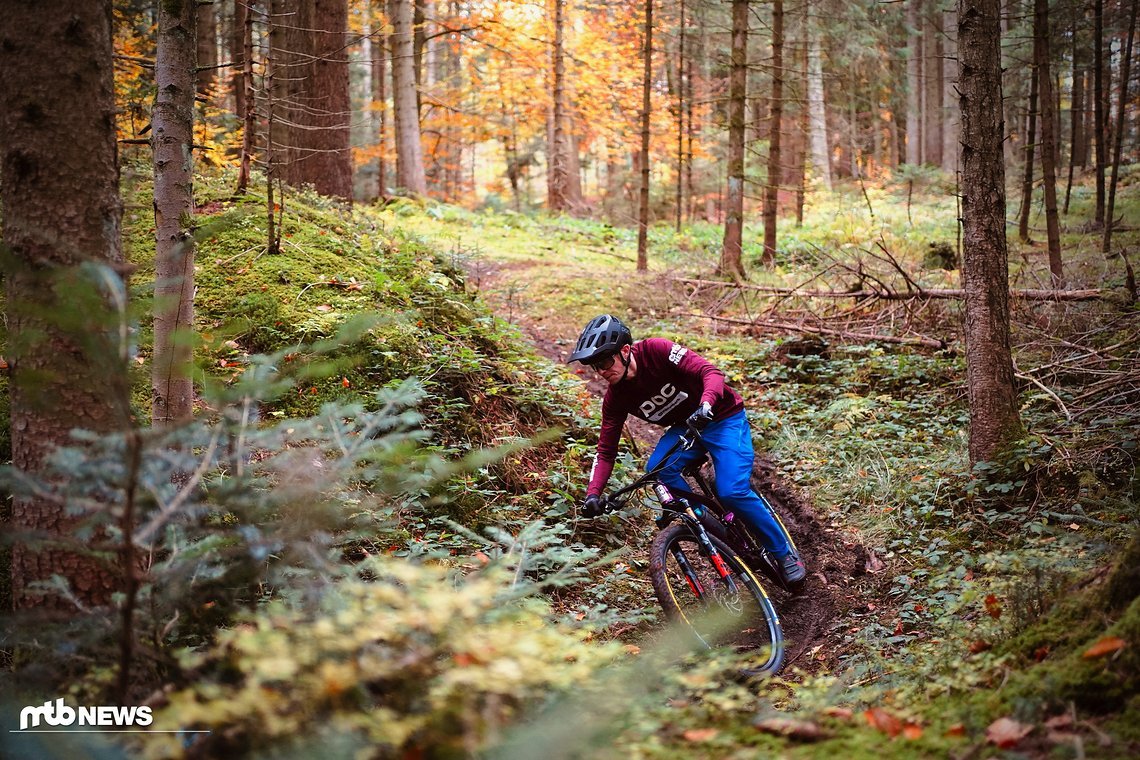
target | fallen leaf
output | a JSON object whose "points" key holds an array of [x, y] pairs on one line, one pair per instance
{"points": [[633, 649], [792, 728], [1074, 526], [1104, 645], [1005, 733], [958, 729], [843, 713], [1059, 722], [883, 721], [324, 307], [912, 731], [700, 734], [1041, 652], [873, 564], [993, 606], [981, 645]]}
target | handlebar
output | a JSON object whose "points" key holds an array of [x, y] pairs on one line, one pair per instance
{"points": [[619, 498]]}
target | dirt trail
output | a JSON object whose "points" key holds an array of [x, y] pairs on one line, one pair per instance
{"points": [[840, 570]]}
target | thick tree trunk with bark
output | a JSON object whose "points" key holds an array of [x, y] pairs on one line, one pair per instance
{"points": [[313, 72], [994, 420], [731, 259], [1048, 138], [646, 89], [409, 149], [772, 190], [59, 192], [173, 130]]}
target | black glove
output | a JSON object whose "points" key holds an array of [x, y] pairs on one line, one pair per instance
{"points": [[592, 506], [700, 419]]}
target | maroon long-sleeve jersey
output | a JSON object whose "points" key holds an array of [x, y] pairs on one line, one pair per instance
{"points": [[671, 382]]}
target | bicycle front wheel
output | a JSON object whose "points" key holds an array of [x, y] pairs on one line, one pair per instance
{"points": [[732, 611]]}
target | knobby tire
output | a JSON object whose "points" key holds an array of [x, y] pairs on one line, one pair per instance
{"points": [[752, 624]]}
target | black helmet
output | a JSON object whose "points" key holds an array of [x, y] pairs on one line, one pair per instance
{"points": [[604, 336]]}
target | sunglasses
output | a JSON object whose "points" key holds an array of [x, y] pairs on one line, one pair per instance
{"points": [[603, 364]]}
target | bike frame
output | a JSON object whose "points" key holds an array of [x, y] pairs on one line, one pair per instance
{"points": [[734, 532], [670, 512]]}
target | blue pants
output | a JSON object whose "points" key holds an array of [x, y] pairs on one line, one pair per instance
{"points": [[729, 445]]}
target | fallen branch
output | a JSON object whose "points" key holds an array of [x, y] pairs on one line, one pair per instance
{"points": [[934, 343], [957, 294]]}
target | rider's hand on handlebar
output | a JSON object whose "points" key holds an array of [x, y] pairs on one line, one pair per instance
{"points": [[593, 506], [700, 419]]}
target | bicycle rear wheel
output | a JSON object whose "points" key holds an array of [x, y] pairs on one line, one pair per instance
{"points": [[691, 591]]}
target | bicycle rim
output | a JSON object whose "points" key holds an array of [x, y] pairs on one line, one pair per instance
{"points": [[691, 591]]}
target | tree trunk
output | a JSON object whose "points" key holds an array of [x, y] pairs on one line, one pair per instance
{"points": [[820, 153], [237, 56], [1076, 120], [419, 42], [314, 68], [409, 150], [646, 89], [680, 203], [932, 101], [248, 112], [206, 39], [1099, 116], [59, 190], [173, 129], [556, 192], [949, 102], [994, 420], [380, 98], [731, 259], [1106, 244], [1030, 145], [914, 133], [771, 192], [1048, 140]]}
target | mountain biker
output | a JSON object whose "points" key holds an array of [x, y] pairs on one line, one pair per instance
{"points": [[669, 385]]}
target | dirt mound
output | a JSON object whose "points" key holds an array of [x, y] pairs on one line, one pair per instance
{"points": [[837, 566]]}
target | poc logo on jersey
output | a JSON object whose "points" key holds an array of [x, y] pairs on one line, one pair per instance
{"points": [[663, 402], [677, 353], [59, 714]]}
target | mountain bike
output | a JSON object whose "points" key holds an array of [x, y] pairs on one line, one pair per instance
{"points": [[701, 562]]}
